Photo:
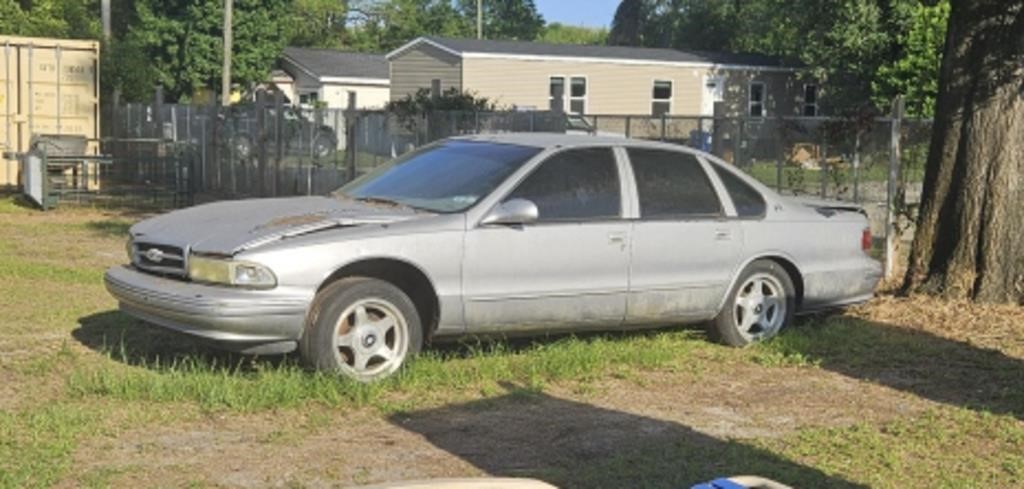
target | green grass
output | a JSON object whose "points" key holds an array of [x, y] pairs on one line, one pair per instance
{"points": [[246, 384], [36, 445], [809, 180], [939, 448]]}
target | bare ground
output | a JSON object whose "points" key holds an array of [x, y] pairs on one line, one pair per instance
{"points": [[512, 435]]}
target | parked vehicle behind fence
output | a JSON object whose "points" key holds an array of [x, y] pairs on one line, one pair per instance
{"points": [[497, 235], [301, 132]]}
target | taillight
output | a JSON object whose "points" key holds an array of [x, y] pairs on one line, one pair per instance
{"points": [[865, 240]]}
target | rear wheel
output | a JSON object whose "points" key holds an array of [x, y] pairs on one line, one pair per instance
{"points": [[362, 328], [762, 302]]}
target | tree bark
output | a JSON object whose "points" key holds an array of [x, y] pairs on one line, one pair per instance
{"points": [[969, 242]]}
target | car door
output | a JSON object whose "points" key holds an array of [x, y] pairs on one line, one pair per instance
{"points": [[684, 247], [568, 269]]}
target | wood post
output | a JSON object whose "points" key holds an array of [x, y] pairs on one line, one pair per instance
{"points": [[894, 177]]}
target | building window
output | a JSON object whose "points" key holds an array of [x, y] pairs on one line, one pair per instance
{"points": [[661, 103], [756, 102], [308, 98], [556, 92], [578, 95], [810, 100]]}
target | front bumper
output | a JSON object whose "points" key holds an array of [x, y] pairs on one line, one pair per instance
{"points": [[250, 321]]}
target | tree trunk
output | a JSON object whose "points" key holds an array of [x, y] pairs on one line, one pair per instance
{"points": [[969, 242]]}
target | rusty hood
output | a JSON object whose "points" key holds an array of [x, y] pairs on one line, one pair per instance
{"points": [[230, 227]]}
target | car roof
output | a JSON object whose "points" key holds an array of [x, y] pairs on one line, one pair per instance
{"points": [[548, 140], [560, 140]]}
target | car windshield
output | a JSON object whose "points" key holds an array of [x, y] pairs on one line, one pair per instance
{"points": [[446, 177]]}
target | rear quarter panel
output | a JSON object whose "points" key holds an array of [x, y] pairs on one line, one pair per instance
{"points": [[826, 250]]}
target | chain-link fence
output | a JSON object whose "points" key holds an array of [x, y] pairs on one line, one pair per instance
{"points": [[842, 159], [183, 151], [180, 153]]}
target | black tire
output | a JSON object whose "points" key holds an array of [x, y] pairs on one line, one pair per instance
{"points": [[241, 147], [729, 328], [325, 349], [324, 145]]}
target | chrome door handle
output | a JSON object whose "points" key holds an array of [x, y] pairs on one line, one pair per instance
{"points": [[723, 235], [616, 238]]}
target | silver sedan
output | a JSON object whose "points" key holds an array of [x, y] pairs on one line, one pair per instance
{"points": [[496, 235]]}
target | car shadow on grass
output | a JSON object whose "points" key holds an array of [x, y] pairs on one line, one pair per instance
{"points": [[137, 343], [572, 444], [917, 362]]}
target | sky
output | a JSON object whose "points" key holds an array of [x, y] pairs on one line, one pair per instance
{"points": [[592, 13]]}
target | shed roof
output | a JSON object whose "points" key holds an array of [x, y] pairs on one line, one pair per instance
{"points": [[333, 63]]}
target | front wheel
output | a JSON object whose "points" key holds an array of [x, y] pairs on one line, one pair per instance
{"points": [[760, 304], [363, 328]]}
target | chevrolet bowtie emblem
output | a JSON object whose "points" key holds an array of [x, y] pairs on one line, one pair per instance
{"points": [[154, 255]]}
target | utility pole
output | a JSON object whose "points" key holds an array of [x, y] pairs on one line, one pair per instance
{"points": [[105, 16], [225, 83], [479, 19]]}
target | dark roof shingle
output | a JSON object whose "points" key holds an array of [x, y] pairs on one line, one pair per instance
{"points": [[335, 63], [606, 52]]}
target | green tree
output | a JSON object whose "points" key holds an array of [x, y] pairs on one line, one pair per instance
{"points": [[864, 51], [914, 73], [183, 41], [505, 19], [318, 23], [378, 25], [556, 33], [629, 17], [74, 19]]}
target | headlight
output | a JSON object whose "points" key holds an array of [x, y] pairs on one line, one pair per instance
{"points": [[230, 272]]}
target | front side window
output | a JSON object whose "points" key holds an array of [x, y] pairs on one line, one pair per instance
{"points": [[662, 98], [450, 176], [810, 100], [756, 100], [574, 185], [747, 200], [578, 95], [556, 94], [672, 185]]}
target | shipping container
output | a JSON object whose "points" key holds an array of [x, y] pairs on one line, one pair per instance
{"points": [[47, 86]]}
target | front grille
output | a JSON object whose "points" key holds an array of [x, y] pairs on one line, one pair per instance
{"points": [[159, 258]]}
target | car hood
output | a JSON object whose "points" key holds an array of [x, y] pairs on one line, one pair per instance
{"points": [[230, 227]]}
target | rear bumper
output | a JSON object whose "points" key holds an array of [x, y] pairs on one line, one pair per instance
{"points": [[245, 320], [837, 288]]}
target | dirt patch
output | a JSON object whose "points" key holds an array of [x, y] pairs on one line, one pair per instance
{"points": [[518, 434]]}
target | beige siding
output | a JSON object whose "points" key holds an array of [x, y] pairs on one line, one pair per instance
{"points": [[415, 68], [613, 89], [335, 95]]}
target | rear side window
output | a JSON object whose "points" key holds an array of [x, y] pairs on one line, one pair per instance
{"points": [[574, 185], [748, 201], [671, 185]]}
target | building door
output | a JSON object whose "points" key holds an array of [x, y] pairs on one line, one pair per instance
{"points": [[714, 91]]}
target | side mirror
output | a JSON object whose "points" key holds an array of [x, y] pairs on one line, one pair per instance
{"points": [[515, 211]]}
